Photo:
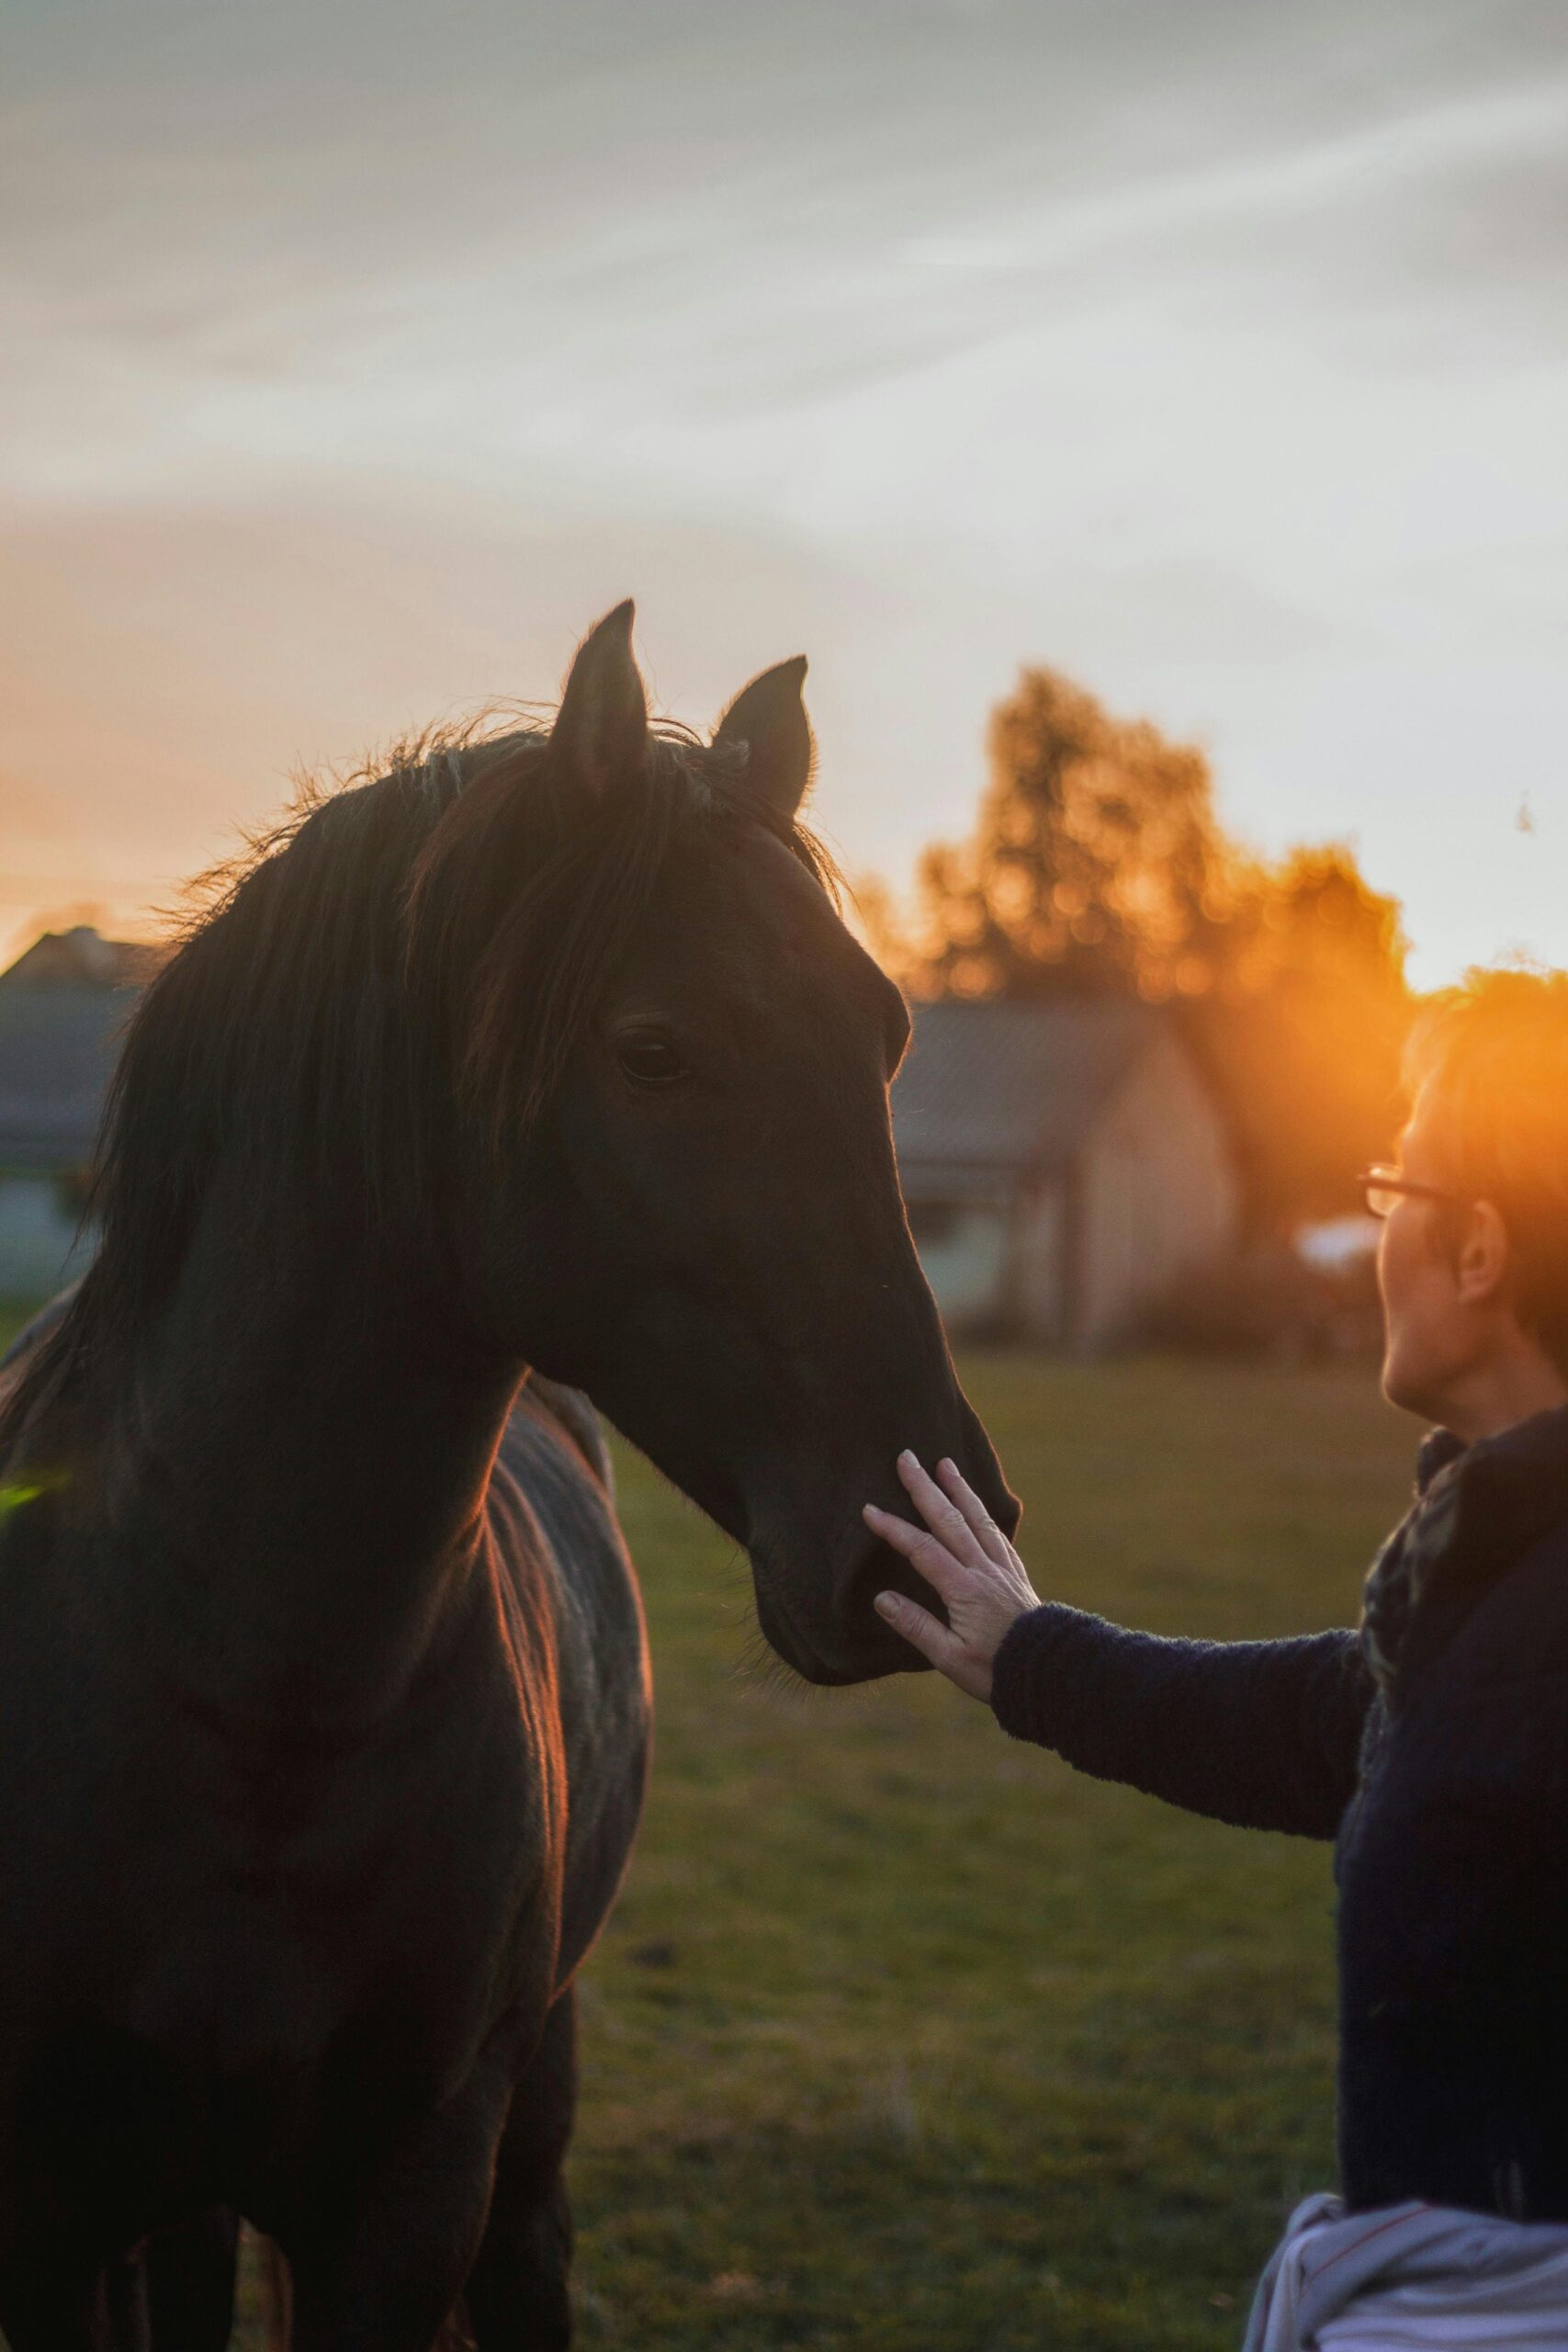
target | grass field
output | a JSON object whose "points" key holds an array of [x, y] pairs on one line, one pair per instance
{"points": [[905, 2039]]}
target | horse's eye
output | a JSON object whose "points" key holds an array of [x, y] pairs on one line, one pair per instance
{"points": [[649, 1058]]}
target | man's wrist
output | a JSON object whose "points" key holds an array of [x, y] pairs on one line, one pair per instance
{"points": [[1016, 1670]]}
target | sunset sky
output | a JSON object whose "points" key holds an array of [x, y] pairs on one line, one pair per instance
{"points": [[358, 355]]}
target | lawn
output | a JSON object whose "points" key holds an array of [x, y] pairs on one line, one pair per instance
{"points": [[905, 2039]]}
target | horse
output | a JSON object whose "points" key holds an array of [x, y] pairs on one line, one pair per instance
{"points": [[540, 1068]]}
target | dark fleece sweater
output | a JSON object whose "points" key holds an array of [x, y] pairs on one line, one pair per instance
{"points": [[1447, 1796]]}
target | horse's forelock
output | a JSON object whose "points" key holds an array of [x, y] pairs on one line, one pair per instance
{"points": [[518, 907]]}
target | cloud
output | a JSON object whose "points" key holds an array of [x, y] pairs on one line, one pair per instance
{"points": [[357, 356]]}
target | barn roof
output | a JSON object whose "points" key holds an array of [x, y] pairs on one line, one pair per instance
{"points": [[995, 1089], [82, 958], [62, 1012]]}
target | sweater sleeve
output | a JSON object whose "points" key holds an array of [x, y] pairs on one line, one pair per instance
{"points": [[1264, 1734]]}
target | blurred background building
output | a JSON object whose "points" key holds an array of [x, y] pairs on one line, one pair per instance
{"points": [[63, 1007], [1065, 1163]]}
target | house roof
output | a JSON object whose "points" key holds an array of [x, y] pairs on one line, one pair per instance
{"points": [[82, 958], [995, 1089], [63, 1007]]}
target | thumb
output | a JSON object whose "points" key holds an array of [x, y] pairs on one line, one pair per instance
{"points": [[928, 1635]]}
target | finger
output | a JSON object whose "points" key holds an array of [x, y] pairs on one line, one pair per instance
{"points": [[923, 1549], [976, 1518], [923, 1632], [943, 1517]]}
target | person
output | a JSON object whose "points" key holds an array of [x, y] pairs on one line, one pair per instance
{"points": [[1431, 1743]]}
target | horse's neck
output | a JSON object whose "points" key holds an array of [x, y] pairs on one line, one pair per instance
{"points": [[313, 1439]]}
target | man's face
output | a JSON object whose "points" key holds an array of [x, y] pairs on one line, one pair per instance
{"points": [[1431, 1334]]}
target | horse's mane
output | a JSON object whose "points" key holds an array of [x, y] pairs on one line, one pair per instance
{"points": [[437, 933]]}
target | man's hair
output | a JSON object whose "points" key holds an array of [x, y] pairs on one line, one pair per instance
{"points": [[1491, 1058]]}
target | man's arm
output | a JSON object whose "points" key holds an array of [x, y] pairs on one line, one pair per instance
{"points": [[1265, 1734]]}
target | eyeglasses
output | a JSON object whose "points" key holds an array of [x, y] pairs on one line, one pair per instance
{"points": [[1383, 1188]]}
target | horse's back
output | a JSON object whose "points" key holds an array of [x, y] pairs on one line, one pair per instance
{"points": [[552, 1510], [572, 1409]]}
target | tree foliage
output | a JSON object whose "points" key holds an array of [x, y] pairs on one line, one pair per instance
{"points": [[1098, 864]]}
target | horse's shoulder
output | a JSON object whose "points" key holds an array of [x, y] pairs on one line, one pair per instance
{"points": [[552, 1504], [560, 1555]]}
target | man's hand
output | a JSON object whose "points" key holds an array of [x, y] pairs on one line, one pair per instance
{"points": [[969, 1564]]}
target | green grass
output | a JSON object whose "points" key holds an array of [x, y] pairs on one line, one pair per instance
{"points": [[14, 1313], [904, 2038]]}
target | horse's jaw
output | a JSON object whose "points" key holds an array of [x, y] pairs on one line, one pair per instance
{"points": [[858, 1648]]}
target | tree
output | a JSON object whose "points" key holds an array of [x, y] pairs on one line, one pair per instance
{"points": [[1099, 865]]}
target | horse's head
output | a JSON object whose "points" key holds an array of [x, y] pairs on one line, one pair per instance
{"points": [[703, 1226]]}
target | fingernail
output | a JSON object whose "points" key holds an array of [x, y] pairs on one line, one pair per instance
{"points": [[887, 1604], [949, 1465], [908, 1459], [870, 1511]]}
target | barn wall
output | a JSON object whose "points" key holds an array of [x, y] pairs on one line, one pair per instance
{"points": [[1036, 1307], [1157, 1193], [963, 1251]]}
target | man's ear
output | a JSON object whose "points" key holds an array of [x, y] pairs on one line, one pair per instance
{"points": [[770, 718], [1484, 1258], [599, 736]]}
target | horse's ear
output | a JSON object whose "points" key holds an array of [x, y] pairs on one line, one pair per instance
{"points": [[599, 736], [769, 716]]}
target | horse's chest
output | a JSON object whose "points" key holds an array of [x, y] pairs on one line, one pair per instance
{"points": [[400, 1898]]}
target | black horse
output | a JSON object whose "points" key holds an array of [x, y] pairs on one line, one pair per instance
{"points": [[540, 1064]]}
